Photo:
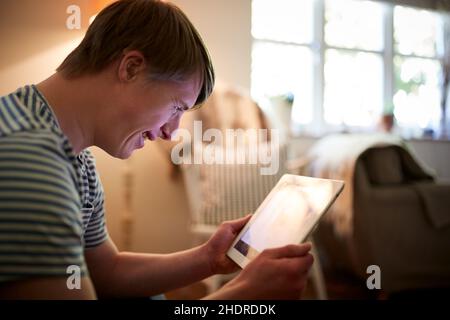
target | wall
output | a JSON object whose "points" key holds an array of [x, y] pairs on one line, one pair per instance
{"points": [[435, 154], [35, 40], [225, 27]]}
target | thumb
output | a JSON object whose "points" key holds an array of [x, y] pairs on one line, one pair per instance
{"points": [[289, 251], [237, 225]]}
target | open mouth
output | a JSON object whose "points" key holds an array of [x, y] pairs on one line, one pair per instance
{"points": [[148, 135], [151, 136], [165, 135]]}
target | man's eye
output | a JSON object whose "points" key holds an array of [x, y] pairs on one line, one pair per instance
{"points": [[178, 109]]}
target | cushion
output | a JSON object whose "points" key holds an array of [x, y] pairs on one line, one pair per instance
{"points": [[384, 166]]}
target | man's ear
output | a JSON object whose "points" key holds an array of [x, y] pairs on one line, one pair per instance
{"points": [[131, 64]]}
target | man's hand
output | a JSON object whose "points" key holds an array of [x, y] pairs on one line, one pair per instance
{"points": [[218, 245], [279, 273]]}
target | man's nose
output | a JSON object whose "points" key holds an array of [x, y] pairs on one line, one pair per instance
{"points": [[165, 133], [168, 128]]}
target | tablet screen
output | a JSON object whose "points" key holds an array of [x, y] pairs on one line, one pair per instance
{"points": [[287, 215]]}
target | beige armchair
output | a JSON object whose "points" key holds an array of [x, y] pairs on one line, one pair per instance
{"points": [[401, 222]]}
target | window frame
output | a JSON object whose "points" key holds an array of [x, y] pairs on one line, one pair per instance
{"points": [[318, 47]]}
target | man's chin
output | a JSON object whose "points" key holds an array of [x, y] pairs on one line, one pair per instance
{"points": [[126, 154], [121, 154]]}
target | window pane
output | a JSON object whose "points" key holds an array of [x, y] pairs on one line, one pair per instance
{"points": [[417, 95], [282, 69], [283, 20], [416, 31], [354, 24], [353, 88]]}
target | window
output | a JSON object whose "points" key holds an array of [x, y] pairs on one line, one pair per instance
{"points": [[353, 86], [354, 24], [289, 22], [292, 73], [417, 94], [346, 62], [282, 60]]}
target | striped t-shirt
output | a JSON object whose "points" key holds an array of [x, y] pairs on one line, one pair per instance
{"points": [[51, 200]]}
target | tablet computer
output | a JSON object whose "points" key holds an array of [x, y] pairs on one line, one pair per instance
{"points": [[287, 215]]}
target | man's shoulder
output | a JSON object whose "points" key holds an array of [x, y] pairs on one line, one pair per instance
{"points": [[37, 161], [36, 139], [39, 155], [25, 122], [22, 110]]}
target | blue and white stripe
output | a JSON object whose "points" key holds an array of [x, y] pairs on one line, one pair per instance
{"points": [[51, 200]]}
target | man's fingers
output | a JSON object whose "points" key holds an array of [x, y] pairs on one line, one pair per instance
{"points": [[237, 225], [295, 265], [289, 251], [304, 263]]}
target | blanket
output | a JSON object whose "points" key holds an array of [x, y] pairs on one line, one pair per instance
{"points": [[334, 157]]}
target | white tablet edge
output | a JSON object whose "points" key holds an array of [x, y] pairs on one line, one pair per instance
{"points": [[242, 260]]}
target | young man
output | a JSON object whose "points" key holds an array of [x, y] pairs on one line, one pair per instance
{"points": [[139, 67]]}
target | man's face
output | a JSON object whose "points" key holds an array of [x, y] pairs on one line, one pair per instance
{"points": [[145, 110]]}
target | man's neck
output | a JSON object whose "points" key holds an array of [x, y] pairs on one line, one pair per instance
{"points": [[73, 103]]}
